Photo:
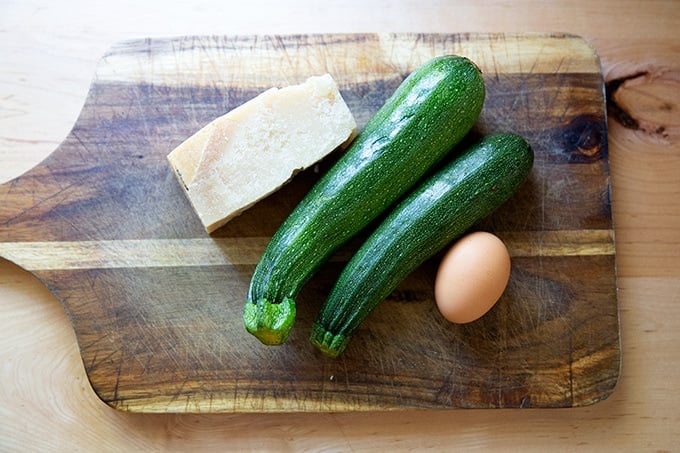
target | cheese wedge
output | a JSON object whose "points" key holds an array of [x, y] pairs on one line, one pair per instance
{"points": [[250, 152]]}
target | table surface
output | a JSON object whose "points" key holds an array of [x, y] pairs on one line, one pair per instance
{"points": [[48, 55]]}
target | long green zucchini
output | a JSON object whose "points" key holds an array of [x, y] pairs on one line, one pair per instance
{"points": [[428, 114], [435, 213]]}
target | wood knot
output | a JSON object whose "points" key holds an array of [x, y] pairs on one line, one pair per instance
{"points": [[647, 101], [583, 139]]}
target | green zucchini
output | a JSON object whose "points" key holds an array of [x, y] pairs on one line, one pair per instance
{"points": [[429, 113], [435, 213]]}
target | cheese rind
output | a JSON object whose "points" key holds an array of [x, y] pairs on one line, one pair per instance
{"points": [[250, 152]]}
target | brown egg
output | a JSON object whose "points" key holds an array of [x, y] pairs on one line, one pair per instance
{"points": [[471, 277]]}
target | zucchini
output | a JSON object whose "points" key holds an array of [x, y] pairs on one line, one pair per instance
{"points": [[429, 113], [435, 213]]}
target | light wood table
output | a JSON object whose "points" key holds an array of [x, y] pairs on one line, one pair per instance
{"points": [[48, 54]]}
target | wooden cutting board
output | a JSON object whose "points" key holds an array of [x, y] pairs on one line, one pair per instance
{"points": [[156, 303]]}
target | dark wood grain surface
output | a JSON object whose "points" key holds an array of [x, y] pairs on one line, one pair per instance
{"points": [[156, 303]]}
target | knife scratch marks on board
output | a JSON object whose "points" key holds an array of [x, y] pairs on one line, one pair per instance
{"points": [[119, 370], [84, 157], [281, 47], [133, 253], [534, 64], [200, 45]]}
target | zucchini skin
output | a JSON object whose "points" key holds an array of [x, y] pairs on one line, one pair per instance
{"points": [[434, 214], [429, 113]]}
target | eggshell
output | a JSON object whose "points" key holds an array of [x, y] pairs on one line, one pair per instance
{"points": [[471, 277]]}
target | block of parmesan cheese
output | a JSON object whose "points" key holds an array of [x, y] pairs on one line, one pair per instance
{"points": [[251, 151]]}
